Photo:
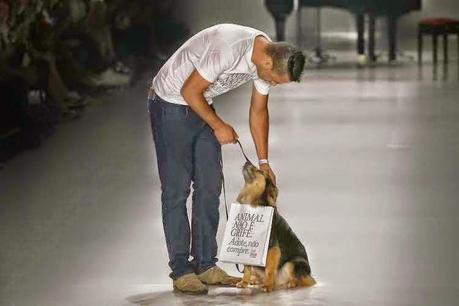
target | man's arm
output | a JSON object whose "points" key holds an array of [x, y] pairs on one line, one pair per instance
{"points": [[259, 122], [259, 127], [193, 92]]}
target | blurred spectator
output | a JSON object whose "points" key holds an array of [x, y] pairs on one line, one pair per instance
{"points": [[88, 51], [52, 50], [132, 27], [34, 60], [168, 32]]}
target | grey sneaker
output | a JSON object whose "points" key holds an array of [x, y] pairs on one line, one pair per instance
{"points": [[190, 284], [216, 276]]}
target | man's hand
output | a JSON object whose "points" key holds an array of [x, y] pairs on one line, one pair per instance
{"points": [[226, 134], [267, 169]]}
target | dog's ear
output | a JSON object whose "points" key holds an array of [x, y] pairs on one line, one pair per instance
{"points": [[271, 192]]}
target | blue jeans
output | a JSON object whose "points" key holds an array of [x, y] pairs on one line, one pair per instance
{"points": [[187, 151]]}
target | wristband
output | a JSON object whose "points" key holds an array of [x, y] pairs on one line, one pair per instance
{"points": [[263, 161]]}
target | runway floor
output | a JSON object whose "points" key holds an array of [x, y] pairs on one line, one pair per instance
{"points": [[367, 162]]}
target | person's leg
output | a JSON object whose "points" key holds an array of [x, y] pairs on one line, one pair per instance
{"points": [[207, 182], [56, 87], [98, 28], [173, 140]]}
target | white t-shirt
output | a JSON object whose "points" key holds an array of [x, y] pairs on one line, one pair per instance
{"points": [[221, 54]]}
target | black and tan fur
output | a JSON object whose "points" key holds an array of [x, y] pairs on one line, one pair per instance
{"points": [[287, 263]]}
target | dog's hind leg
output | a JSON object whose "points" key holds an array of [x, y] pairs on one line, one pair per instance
{"points": [[288, 280]]}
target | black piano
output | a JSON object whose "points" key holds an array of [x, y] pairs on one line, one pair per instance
{"points": [[390, 9]]}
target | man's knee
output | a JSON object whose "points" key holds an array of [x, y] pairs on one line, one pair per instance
{"points": [[208, 181], [174, 196]]}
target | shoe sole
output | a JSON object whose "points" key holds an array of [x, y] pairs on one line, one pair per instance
{"points": [[190, 292], [220, 285], [231, 282]]}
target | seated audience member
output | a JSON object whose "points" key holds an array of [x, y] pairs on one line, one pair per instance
{"points": [[84, 26], [132, 27], [21, 125], [38, 63]]}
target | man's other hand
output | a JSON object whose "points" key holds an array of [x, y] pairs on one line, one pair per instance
{"points": [[226, 134]]}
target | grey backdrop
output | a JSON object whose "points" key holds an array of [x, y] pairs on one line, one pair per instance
{"points": [[337, 25]]}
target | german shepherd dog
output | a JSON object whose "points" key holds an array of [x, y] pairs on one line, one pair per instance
{"points": [[287, 264]]}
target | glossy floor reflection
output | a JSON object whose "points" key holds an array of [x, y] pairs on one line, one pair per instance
{"points": [[367, 162]]}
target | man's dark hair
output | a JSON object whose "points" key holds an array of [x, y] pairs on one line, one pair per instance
{"points": [[286, 59]]}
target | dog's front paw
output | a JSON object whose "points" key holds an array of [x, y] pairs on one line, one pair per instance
{"points": [[267, 288], [231, 280], [242, 284]]}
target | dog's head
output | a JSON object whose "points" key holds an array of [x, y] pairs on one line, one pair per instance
{"points": [[258, 188]]}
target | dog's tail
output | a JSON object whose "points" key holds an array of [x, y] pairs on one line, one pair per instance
{"points": [[307, 281]]}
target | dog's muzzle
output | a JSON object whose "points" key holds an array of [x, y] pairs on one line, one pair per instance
{"points": [[248, 172]]}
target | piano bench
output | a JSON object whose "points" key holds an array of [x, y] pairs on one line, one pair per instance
{"points": [[436, 27]]}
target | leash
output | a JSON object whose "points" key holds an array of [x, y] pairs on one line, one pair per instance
{"points": [[243, 153], [223, 176], [224, 188]]}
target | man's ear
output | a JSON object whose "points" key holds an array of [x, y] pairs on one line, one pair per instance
{"points": [[272, 192], [268, 63]]}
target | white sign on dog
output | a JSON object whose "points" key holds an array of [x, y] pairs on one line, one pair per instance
{"points": [[247, 233]]}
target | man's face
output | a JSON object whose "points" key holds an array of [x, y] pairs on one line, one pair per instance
{"points": [[266, 73], [276, 78]]}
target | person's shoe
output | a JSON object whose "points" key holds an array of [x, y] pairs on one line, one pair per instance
{"points": [[216, 276], [190, 284], [110, 78], [69, 114]]}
